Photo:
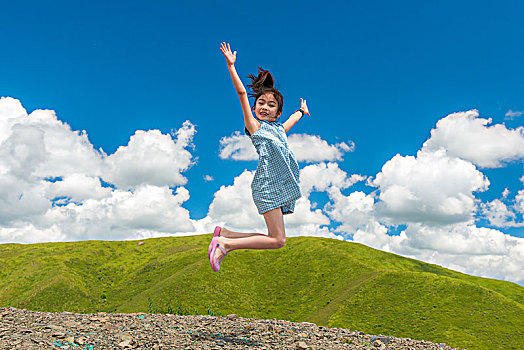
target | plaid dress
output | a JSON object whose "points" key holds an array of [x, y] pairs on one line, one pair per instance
{"points": [[275, 184]]}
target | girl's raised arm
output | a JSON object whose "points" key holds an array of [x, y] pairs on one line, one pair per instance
{"points": [[252, 125], [295, 117]]}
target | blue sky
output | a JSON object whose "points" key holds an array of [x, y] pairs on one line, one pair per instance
{"points": [[376, 74]]}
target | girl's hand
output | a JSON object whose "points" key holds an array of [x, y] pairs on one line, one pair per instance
{"points": [[303, 106], [231, 57]]}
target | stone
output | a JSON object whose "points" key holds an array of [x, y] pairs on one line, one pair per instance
{"points": [[232, 317], [302, 345], [126, 343], [378, 344], [80, 340]]}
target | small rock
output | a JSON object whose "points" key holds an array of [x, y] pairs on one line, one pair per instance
{"points": [[232, 317], [302, 345], [70, 340], [80, 340], [125, 343], [58, 335], [377, 343], [302, 334], [126, 337]]}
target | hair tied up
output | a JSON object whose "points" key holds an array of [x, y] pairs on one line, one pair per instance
{"points": [[264, 81]]}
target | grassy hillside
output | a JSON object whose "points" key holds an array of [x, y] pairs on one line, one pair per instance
{"points": [[328, 282]]}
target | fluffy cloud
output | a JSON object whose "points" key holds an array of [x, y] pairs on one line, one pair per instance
{"points": [[468, 137], [161, 159], [233, 206], [475, 250], [460, 246], [498, 214], [77, 188], [311, 148], [320, 177], [433, 196], [431, 187], [307, 148], [237, 147], [54, 184], [519, 202]]}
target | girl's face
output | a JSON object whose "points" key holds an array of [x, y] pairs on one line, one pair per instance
{"points": [[266, 108]]}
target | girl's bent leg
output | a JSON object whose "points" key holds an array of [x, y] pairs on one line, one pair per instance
{"points": [[224, 232], [276, 235]]}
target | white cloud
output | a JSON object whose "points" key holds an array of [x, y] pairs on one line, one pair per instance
{"points": [[21, 200], [307, 148], [237, 147], [468, 137], [29, 233], [320, 177], [519, 202], [356, 213], [152, 158], [480, 251], [311, 148], [78, 187], [51, 185], [208, 178], [431, 187], [513, 114], [498, 214], [233, 205]]}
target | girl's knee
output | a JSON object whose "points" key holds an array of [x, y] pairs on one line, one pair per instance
{"points": [[281, 243]]}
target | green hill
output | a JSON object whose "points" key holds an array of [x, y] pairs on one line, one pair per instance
{"points": [[329, 282]]}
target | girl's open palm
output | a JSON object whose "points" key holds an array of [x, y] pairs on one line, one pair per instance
{"points": [[231, 57], [303, 105]]}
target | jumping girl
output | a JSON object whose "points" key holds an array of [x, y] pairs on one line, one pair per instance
{"points": [[275, 184]]}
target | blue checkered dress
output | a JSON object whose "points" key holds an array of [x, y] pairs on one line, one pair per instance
{"points": [[275, 184]]}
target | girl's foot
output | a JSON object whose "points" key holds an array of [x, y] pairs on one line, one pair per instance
{"points": [[219, 255], [216, 233], [224, 232]]}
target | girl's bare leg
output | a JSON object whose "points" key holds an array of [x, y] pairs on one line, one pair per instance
{"points": [[224, 232], [276, 236]]}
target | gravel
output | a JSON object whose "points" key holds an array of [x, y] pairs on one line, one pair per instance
{"points": [[24, 329]]}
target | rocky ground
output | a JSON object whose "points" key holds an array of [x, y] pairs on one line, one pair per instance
{"points": [[23, 329]]}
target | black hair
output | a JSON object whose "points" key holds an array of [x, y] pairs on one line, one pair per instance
{"points": [[262, 84]]}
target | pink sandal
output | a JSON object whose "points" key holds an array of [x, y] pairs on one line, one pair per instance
{"points": [[218, 229], [215, 244]]}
